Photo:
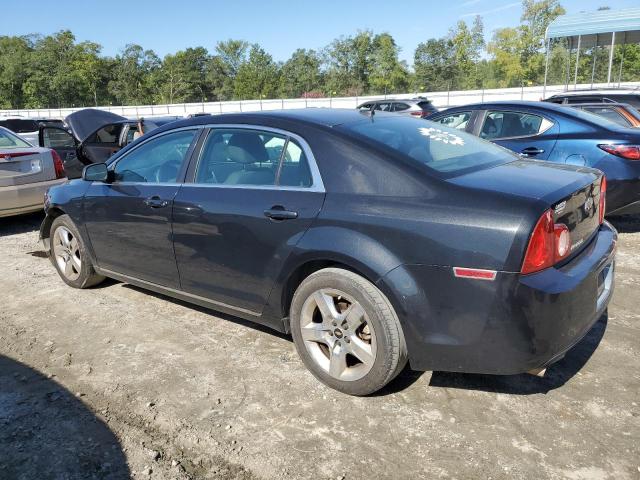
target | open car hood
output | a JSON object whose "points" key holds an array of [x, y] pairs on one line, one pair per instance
{"points": [[86, 122]]}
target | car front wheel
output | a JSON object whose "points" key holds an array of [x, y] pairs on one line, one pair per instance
{"points": [[69, 255], [346, 332]]}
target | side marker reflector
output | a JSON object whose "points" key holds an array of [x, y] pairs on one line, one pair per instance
{"points": [[475, 273]]}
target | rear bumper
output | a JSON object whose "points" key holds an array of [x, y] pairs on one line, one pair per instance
{"points": [[511, 325], [18, 199]]}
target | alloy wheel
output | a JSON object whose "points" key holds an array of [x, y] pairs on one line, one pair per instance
{"points": [[338, 335], [66, 251]]}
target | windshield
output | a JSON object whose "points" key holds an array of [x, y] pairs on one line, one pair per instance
{"points": [[445, 150], [9, 140]]}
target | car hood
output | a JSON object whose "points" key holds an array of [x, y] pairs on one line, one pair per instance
{"points": [[534, 179], [86, 122]]}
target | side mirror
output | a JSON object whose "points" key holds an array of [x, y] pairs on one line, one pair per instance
{"points": [[96, 172]]}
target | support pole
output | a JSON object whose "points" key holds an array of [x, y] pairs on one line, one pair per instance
{"points": [[595, 55], [613, 46], [575, 76], [624, 49], [546, 67], [569, 45]]}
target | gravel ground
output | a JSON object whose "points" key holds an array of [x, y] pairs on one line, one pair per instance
{"points": [[115, 382]]}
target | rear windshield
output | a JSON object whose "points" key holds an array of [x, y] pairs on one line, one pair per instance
{"points": [[9, 140], [445, 150], [19, 126]]}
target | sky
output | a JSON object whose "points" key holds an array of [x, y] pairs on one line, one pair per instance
{"points": [[279, 26]]}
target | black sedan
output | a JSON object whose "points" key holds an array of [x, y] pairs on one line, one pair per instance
{"points": [[546, 131], [373, 239]]}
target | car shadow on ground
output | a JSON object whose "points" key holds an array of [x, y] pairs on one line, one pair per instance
{"points": [[626, 223], [21, 224], [46, 432], [556, 375]]}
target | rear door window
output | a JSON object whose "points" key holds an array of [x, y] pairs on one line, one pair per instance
{"points": [[383, 106], [499, 125]]}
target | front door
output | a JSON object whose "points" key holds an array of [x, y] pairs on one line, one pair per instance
{"points": [[254, 194], [64, 144], [527, 134], [129, 218]]}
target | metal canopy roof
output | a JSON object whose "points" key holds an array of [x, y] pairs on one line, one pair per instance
{"points": [[601, 23]]}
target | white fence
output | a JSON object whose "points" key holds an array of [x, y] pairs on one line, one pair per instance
{"points": [[439, 99]]}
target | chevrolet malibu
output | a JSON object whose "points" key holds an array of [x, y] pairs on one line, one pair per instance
{"points": [[372, 239]]}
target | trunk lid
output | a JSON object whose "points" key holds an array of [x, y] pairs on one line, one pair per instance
{"points": [[572, 192], [88, 121], [22, 166]]}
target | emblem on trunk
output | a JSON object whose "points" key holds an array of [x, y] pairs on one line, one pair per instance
{"points": [[560, 207]]}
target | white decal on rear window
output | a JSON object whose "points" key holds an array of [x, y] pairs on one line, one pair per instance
{"points": [[441, 136]]}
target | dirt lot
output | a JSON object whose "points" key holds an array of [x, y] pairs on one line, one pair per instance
{"points": [[114, 382]]}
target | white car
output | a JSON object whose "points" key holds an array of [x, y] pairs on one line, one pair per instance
{"points": [[26, 128], [26, 173]]}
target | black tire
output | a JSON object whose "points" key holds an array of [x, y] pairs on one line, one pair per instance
{"points": [[390, 347], [83, 277]]}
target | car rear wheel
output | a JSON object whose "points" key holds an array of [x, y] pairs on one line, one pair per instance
{"points": [[69, 255], [346, 332]]}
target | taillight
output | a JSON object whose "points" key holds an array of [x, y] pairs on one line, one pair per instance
{"points": [[630, 152], [603, 198], [549, 243], [418, 113], [58, 165]]}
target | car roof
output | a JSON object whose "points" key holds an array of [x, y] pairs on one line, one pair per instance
{"points": [[512, 103], [607, 91], [324, 117]]}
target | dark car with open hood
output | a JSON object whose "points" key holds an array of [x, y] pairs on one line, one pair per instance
{"points": [[91, 136], [373, 239]]}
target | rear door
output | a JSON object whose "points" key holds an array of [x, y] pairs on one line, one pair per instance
{"points": [[254, 192], [529, 134], [129, 219]]}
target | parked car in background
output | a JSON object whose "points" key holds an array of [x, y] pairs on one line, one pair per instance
{"points": [[89, 136], [26, 172], [358, 234], [545, 131], [614, 95], [621, 113], [419, 107], [25, 127]]}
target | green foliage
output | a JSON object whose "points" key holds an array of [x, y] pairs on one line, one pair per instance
{"points": [[56, 71]]}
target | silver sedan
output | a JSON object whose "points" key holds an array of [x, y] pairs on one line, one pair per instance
{"points": [[26, 173]]}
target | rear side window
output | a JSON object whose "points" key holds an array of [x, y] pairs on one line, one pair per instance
{"points": [[399, 107], [8, 140], [20, 126], [444, 150], [458, 120], [610, 114], [513, 124], [384, 106]]}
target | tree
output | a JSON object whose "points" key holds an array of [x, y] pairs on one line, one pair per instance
{"points": [[434, 65], [387, 73], [224, 67], [134, 75], [258, 77], [300, 74], [183, 76], [14, 62], [349, 61]]}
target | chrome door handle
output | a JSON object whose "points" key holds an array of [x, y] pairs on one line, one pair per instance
{"points": [[278, 212], [531, 151], [156, 202]]}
